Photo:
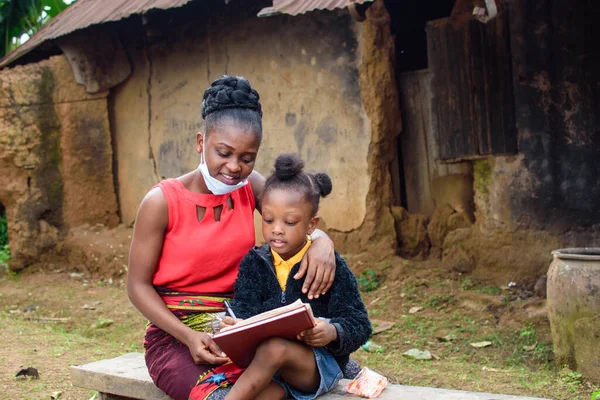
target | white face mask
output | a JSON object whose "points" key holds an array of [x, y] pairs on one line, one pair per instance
{"points": [[213, 184]]}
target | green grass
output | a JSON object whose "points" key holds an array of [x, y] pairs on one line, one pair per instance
{"points": [[511, 365], [573, 380], [490, 290], [459, 366], [469, 285], [4, 248], [519, 361], [367, 281], [4, 255], [52, 347], [3, 230], [440, 300]]}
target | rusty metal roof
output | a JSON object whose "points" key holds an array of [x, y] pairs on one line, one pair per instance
{"points": [[85, 13], [295, 7]]}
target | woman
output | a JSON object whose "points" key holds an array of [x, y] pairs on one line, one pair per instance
{"points": [[189, 238]]}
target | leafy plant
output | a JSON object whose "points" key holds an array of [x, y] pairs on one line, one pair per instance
{"points": [[527, 346], [528, 333], [3, 230], [572, 380], [440, 300], [595, 395], [467, 284], [367, 281], [4, 249], [19, 19], [491, 290], [409, 289], [4, 255]]}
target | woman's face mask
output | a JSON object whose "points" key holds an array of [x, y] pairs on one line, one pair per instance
{"points": [[213, 184]]}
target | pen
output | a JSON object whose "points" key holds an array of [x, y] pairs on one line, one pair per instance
{"points": [[229, 310]]}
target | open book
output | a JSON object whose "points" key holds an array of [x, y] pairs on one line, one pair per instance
{"points": [[240, 341]]}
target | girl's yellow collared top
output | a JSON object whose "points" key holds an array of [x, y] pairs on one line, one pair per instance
{"points": [[283, 267]]}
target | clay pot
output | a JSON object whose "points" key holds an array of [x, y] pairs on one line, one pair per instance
{"points": [[574, 309]]}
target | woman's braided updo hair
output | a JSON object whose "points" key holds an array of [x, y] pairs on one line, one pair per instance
{"points": [[231, 100], [289, 175]]}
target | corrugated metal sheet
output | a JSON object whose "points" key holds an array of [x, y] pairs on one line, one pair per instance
{"points": [[85, 13], [295, 7]]}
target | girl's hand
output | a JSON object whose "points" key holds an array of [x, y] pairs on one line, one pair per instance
{"points": [[319, 336], [319, 266], [228, 321], [204, 350]]}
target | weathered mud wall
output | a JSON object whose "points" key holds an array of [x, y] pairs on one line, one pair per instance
{"points": [[548, 195], [55, 157], [556, 59], [379, 95], [327, 90]]}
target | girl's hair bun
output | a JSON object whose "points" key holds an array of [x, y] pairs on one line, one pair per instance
{"points": [[323, 183], [289, 175], [288, 166]]}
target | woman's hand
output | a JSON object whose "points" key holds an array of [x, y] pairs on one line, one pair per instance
{"points": [[204, 350], [319, 336], [319, 266]]}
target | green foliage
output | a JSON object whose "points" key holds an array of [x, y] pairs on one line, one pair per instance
{"points": [[3, 230], [573, 380], [409, 289], [25, 17], [527, 346], [4, 249], [4, 255], [595, 395], [440, 300], [367, 281], [467, 284], [491, 290]]}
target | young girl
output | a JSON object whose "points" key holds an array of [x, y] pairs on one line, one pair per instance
{"points": [[313, 365]]}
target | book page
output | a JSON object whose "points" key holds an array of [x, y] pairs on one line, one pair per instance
{"points": [[271, 313]]}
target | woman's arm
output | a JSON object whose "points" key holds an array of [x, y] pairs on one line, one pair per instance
{"points": [[257, 182], [319, 265], [319, 262], [146, 247]]}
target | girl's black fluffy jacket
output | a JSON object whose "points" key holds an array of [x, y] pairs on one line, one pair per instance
{"points": [[257, 290]]}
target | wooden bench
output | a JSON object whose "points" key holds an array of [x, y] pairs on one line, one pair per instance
{"points": [[126, 377]]}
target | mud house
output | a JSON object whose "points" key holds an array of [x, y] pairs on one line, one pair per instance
{"points": [[446, 136]]}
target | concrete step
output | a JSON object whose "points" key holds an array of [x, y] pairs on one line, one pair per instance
{"points": [[126, 377]]}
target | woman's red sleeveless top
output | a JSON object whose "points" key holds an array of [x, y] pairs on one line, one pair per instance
{"points": [[204, 256]]}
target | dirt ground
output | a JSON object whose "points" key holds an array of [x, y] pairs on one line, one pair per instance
{"points": [[72, 309]]}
